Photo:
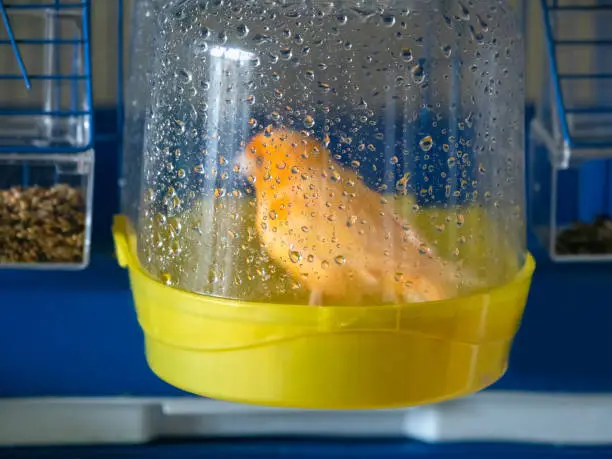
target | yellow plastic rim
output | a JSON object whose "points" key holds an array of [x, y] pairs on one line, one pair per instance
{"points": [[324, 357]]}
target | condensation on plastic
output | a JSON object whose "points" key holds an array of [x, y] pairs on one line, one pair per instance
{"points": [[348, 152], [137, 89]]}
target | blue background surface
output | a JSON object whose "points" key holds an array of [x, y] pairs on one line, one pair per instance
{"points": [[75, 333]]}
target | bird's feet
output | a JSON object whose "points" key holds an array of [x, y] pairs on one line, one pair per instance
{"points": [[316, 298]]}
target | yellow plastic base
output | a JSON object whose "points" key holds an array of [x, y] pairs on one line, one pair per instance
{"points": [[324, 357]]}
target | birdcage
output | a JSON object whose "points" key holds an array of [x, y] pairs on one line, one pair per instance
{"points": [[46, 126], [570, 169]]}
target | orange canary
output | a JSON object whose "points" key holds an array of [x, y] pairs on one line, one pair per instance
{"points": [[335, 235]]}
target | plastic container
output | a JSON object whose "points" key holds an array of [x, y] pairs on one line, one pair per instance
{"points": [[137, 89], [331, 208], [45, 202], [46, 156], [571, 139]]}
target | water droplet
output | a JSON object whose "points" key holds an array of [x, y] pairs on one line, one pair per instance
{"points": [[325, 264], [309, 122], [286, 32], [260, 39], [180, 173], [160, 219], [426, 143], [394, 160], [273, 215], [286, 53], [222, 37], [242, 30], [273, 58], [166, 278], [464, 12], [447, 51], [200, 47], [340, 260], [205, 33], [295, 256], [483, 25], [469, 121], [418, 74], [305, 229], [388, 20], [310, 75], [351, 221], [254, 61], [253, 123], [175, 248], [184, 76], [348, 45], [478, 36], [342, 19], [180, 127], [481, 168], [175, 227], [407, 54], [275, 116]]}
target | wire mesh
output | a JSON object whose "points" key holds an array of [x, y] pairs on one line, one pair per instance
{"points": [[45, 76], [580, 73]]}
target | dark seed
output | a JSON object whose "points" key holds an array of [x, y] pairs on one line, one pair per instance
{"points": [[586, 238]]}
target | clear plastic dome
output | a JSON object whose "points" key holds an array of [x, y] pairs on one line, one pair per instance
{"points": [[344, 152], [327, 210], [137, 90]]}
